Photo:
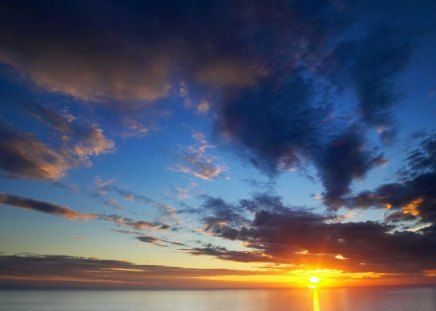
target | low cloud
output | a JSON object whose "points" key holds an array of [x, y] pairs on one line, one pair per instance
{"points": [[56, 271], [284, 234]]}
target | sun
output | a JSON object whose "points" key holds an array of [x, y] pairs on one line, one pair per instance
{"points": [[314, 280]]}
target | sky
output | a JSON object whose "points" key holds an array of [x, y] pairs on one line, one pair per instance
{"points": [[204, 144]]}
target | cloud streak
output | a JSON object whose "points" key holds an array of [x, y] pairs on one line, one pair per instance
{"points": [[44, 207], [67, 213]]}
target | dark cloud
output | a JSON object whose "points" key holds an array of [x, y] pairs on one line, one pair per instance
{"points": [[422, 159], [296, 236], [225, 254], [74, 53], [346, 158], [219, 213], [276, 121], [155, 241], [413, 197], [44, 207], [370, 65], [290, 117], [55, 271]]}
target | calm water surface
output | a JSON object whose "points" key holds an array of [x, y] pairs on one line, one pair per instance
{"points": [[378, 299]]}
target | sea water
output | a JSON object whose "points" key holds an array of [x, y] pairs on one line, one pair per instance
{"points": [[354, 299]]}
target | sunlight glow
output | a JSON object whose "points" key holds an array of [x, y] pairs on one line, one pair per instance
{"points": [[314, 280]]}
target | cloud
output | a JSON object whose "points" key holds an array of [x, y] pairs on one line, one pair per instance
{"points": [[71, 142], [81, 66], [344, 159], [183, 193], [135, 128], [155, 241], [56, 271], [422, 159], [94, 144], [63, 48], [135, 224], [277, 123], [197, 163], [281, 127], [67, 213], [44, 207], [106, 186], [224, 254], [23, 155], [288, 235], [166, 209], [203, 107], [219, 215], [371, 64], [413, 197]]}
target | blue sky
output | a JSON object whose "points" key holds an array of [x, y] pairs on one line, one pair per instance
{"points": [[264, 140]]}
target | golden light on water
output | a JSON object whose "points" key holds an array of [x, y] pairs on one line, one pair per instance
{"points": [[314, 280], [315, 300]]}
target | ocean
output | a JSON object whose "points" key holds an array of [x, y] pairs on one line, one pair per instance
{"points": [[323, 299]]}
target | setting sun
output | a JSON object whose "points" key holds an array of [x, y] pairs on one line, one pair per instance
{"points": [[314, 280]]}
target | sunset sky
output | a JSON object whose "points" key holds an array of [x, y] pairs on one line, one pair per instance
{"points": [[184, 144]]}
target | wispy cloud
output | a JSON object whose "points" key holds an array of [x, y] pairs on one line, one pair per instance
{"points": [[44, 207], [105, 186], [196, 162], [135, 128]]}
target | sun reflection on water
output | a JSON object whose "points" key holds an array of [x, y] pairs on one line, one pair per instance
{"points": [[315, 299]]}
